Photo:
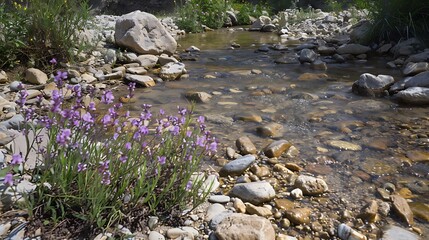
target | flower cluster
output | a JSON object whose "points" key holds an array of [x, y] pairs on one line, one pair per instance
{"points": [[90, 155]]}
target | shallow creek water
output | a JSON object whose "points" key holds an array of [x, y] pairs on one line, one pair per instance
{"points": [[392, 137]]}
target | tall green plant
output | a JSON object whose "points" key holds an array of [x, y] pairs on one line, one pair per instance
{"points": [[193, 13], [45, 29], [398, 19]]}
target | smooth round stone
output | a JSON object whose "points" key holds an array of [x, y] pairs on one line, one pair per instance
{"points": [[343, 145], [418, 156], [311, 185], [219, 199], [254, 192], [284, 204], [214, 210], [238, 166], [398, 233], [299, 215], [153, 235]]}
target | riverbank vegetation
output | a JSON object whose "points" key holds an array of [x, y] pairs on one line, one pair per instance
{"points": [[34, 31]]}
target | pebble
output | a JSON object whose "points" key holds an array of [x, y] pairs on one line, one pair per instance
{"points": [[343, 145], [213, 210], [298, 215], [4, 228], [238, 166], [311, 185], [369, 212], [245, 145], [270, 130], [260, 211], [153, 235], [243, 226], [239, 206], [276, 148], [297, 193], [219, 199]]}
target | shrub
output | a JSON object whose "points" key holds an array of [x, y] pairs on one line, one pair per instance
{"points": [[194, 13], [105, 168], [397, 19], [246, 9], [38, 30]]}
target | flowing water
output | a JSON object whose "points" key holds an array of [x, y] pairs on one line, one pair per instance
{"points": [[392, 140]]}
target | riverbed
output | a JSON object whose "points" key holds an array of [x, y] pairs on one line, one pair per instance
{"points": [[357, 144]]}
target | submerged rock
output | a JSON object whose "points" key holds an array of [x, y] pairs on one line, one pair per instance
{"points": [[402, 209], [311, 185], [414, 95], [371, 85]]}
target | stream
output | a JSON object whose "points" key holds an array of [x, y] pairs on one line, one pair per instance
{"points": [[381, 142]]}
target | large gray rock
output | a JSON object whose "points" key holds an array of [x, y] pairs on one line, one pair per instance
{"points": [[419, 57], [311, 185], [413, 95], [420, 80], [353, 48], [240, 226], [238, 166], [143, 33], [307, 55], [371, 85], [172, 70], [415, 68], [254, 192]]}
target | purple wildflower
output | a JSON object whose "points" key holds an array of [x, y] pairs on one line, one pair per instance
{"points": [[16, 159], [161, 160], [175, 130], [123, 158], [91, 106], [8, 179], [188, 186], [87, 117], [103, 166], [115, 136], [182, 111], [201, 141], [161, 112], [107, 97], [64, 136], [188, 133], [201, 119], [56, 101], [106, 178], [128, 146], [81, 167], [59, 79], [212, 147], [22, 97], [53, 61], [131, 88]]}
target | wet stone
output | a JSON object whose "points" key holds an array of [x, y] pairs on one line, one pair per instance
{"points": [[276, 148], [249, 117], [369, 212], [418, 156], [142, 80], [311, 185], [343, 145], [269, 130], [415, 68], [245, 145], [298, 215], [199, 97], [375, 166], [402, 209], [420, 211], [260, 172], [312, 76], [371, 85]]}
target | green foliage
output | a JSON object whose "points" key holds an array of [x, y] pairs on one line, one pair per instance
{"points": [[245, 9], [38, 30], [192, 14], [397, 19]]}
